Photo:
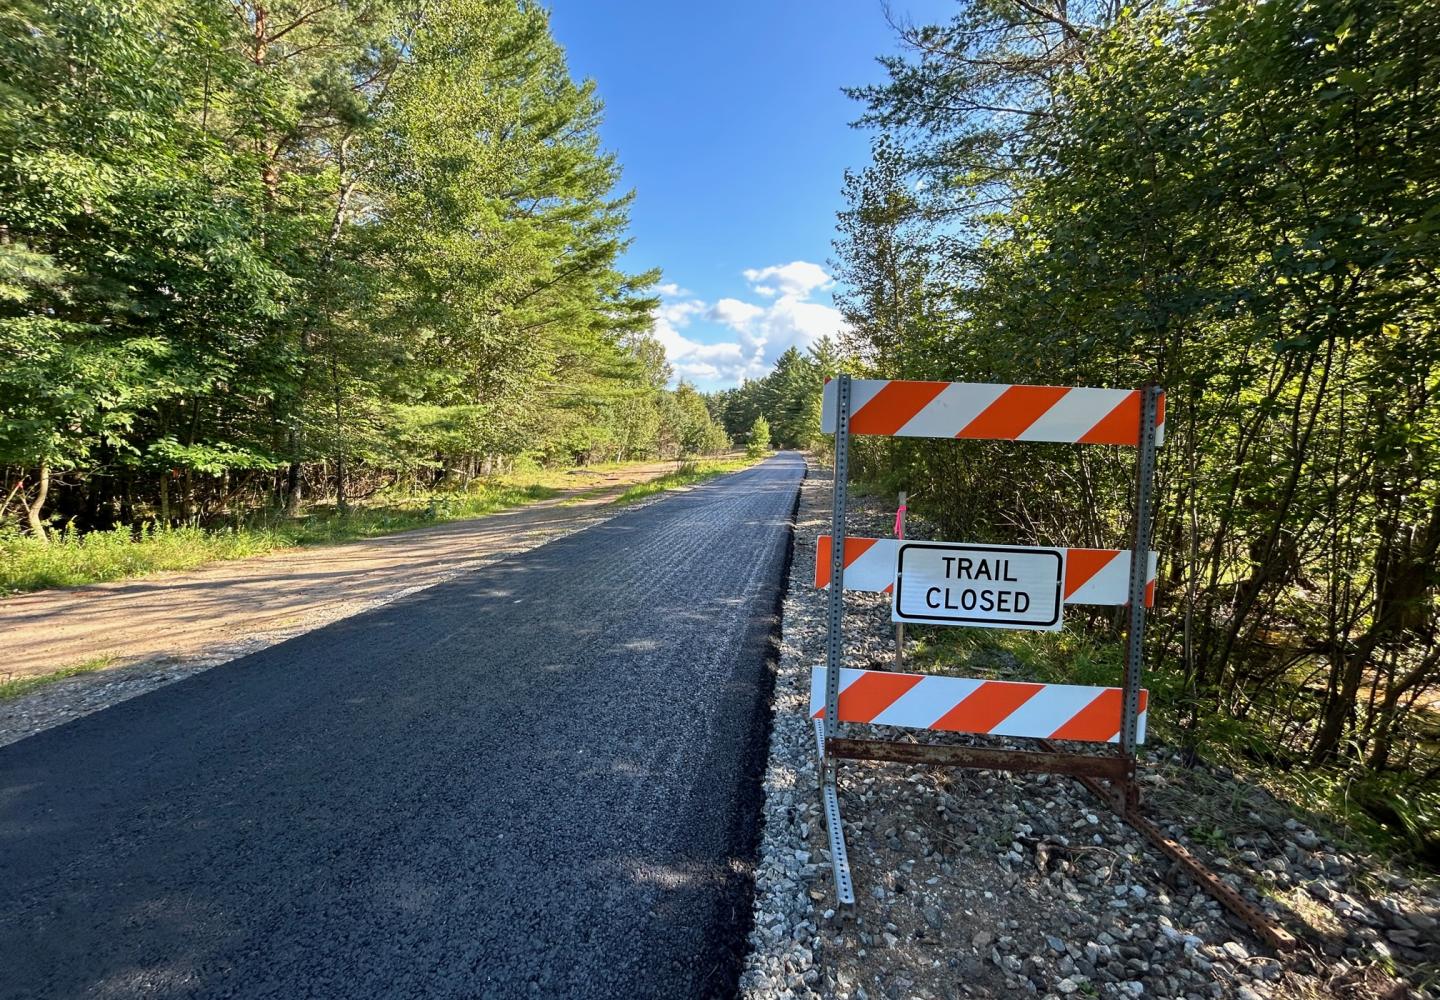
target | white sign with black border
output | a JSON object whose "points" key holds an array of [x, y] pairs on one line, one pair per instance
{"points": [[981, 586]]}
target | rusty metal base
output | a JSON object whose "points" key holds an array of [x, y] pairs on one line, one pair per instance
{"points": [[980, 758], [1121, 795], [1222, 892]]}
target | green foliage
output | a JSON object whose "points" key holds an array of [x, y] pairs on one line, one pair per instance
{"points": [[1236, 201], [24, 685], [252, 251], [688, 419], [788, 398], [757, 442]]}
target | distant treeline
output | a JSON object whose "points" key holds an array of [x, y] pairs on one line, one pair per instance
{"points": [[1239, 200], [787, 399], [254, 253]]}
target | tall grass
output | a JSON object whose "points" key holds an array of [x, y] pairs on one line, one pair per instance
{"points": [[72, 559]]}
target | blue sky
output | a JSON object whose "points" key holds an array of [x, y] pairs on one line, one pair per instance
{"points": [[731, 127]]}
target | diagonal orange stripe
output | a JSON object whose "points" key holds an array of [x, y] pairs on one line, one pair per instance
{"points": [[1017, 408], [1120, 426], [892, 407], [854, 549], [1099, 721], [872, 693], [1082, 564], [987, 706]]}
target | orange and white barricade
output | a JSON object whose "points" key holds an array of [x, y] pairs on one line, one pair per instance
{"points": [[978, 411], [984, 586], [965, 705]]}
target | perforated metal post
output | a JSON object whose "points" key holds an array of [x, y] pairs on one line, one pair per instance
{"points": [[834, 641], [1139, 573], [835, 647]]}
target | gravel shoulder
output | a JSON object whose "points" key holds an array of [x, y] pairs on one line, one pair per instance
{"points": [[985, 884], [160, 628]]}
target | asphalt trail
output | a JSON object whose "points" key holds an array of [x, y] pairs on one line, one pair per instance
{"points": [[539, 779]]}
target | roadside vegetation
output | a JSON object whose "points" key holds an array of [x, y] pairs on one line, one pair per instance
{"points": [[73, 558], [690, 473], [25, 685], [263, 260]]}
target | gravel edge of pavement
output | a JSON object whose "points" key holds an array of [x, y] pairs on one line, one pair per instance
{"points": [[784, 937]]}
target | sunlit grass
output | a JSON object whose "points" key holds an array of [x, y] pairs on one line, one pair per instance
{"points": [[689, 474], [24, 685]]}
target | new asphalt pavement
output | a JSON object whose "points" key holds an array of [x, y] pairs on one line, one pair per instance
{"points": [[540, 779]]}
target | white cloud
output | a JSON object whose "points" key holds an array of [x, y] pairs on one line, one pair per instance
{"points": [[735, 314], [798, 278], [671, 290], [763, 331], [680, 313], [694, 359]]}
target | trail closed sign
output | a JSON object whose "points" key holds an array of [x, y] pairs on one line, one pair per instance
{"points": [[982, 586]]}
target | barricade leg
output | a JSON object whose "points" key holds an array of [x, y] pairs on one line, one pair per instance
{"points": [[835, 608], [839, 857]]}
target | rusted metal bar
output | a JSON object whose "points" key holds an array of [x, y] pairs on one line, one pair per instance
{"points": [[1272, 933], [1222, 892], [1088, 770], [982, 758]]}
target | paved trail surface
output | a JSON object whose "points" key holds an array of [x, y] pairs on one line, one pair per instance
{"points": [[537, 779]]}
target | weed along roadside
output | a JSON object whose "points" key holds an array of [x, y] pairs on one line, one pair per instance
{"points": [[991, 883]]}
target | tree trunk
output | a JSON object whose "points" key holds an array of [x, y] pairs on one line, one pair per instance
{"points": [[33, 510], [342, 505], [1339, 709], [187, 500], [292, 490]]}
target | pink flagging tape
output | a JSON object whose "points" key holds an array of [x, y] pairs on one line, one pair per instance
{"points": [[979, 411], [994, 708], [1092, 576]]}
